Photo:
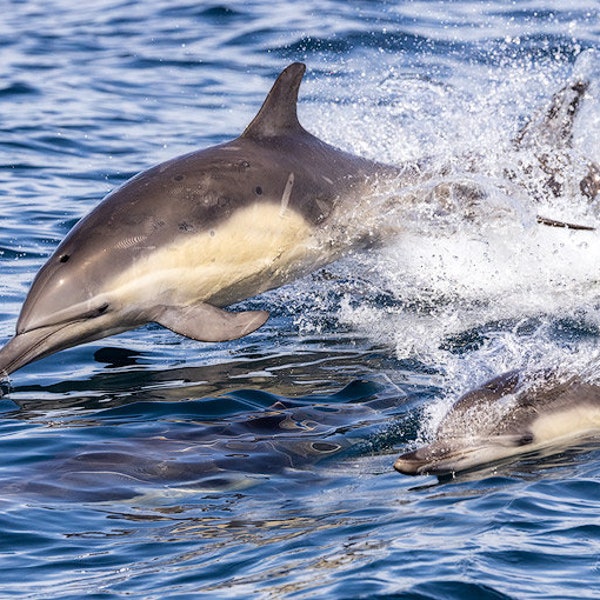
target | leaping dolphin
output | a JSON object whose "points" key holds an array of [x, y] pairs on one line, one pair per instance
{"points": [[507, 417], [180, 241]]}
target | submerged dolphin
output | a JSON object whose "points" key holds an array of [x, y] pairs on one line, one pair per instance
{"points": [[505, 418], [183, 239]]}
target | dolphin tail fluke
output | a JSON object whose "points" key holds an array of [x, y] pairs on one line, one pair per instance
{"points": [[206, 323]]}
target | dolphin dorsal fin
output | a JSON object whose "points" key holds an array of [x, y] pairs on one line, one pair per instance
{"points": [[278, 114], [554, 126]]}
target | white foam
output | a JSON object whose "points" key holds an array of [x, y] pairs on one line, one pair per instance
{"points": [[498, 274]]}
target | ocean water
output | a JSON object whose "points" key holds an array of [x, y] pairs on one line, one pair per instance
{"points": [[150, 466]]}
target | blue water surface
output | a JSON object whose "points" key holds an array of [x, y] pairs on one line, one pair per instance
{"points": [[151, 466]]}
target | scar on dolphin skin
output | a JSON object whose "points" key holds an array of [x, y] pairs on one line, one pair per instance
{"points": [[287, 192]]}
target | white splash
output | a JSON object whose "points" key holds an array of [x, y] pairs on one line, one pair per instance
{"points": [[485, 294]]}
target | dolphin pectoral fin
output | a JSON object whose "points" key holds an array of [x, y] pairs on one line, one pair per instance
{"points": [[554, 223], [207, 323]]}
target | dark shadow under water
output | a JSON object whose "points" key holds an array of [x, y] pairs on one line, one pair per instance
{"points": [[132, 430]]}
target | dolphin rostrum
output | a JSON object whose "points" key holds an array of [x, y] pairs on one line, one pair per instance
{"points": [[180, 241], [506, 417]]}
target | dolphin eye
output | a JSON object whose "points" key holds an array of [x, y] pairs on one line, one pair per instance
{"points": [[102, 309], [525, 439], [64, 258]]}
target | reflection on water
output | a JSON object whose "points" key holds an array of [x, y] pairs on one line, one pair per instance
{"points": [[135, 431]]}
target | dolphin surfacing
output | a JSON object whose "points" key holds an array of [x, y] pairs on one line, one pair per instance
{"points": [[180, 241], [506, 417]]}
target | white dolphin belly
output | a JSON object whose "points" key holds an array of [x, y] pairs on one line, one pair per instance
{"points": [[258, 248]]}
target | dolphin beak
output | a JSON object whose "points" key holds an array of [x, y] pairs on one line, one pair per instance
{"points": [[460, 455], [410, 463], [26, 347], [434, 459], [33, 344]]}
